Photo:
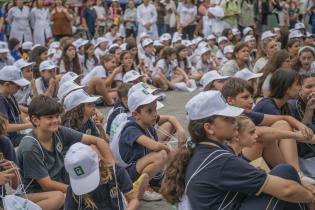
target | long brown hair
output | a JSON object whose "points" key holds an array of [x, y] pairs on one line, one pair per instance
{"points": [[173, 183], [76, 68], [73, 118], [271, 66]]}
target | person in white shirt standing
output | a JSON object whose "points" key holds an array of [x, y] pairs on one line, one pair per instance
{"points": [[147, 17]]}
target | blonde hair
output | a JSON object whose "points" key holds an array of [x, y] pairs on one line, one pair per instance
{"points": [[106, 175], [241, 123]]}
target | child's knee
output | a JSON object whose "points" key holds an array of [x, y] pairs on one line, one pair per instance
{"points": [[285, 171], [162, 156], [282, 124]]}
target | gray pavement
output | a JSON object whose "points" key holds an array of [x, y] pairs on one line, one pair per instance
{"points": [[174, 105]]}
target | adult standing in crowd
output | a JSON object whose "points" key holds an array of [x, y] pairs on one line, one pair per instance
{"points": [[170, 17], [19, 19], [61, 18], [89, 17], [130, 19], [40, 23], [101, 18], [147, 18], [187, 16]]}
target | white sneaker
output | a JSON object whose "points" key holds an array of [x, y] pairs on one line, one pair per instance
{"points": [[150, 195], [305, 178]]}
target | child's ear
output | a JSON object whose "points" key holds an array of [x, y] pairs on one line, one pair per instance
{"points": [[35, 120], [208, 129], [230, 100]]}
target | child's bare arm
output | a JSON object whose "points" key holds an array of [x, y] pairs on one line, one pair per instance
{"points": [[50, 185], [151, 144], [133, 202]]}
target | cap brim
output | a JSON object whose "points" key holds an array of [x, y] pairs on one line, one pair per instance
{"points": [[151, 99], [133, 79], [86, 184], [255, 76], [90, 99], [21, 82], [4, 51], [230, 111], [27, 64]]}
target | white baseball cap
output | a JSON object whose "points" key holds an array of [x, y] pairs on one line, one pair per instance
{"points": [[267, 34], [246, 30], [140, 86], [176, 39], [235, 31], [165, 37], [249, 38], [157, 43], [113, 45], [140, 97], [308, 34], [80, 42], [54, 45], [144, 35], [276, 29], [27, 45], [204, 50], [4, 47], [187, 43], [101, 40], [211, 76], [197, 40], [36, 45], [246, 74], [21, 63], [51, 51], [131, 76], [66, 88], [211, 36], [47, 65], [77, 97], [13, 74], [306, 48], [82, 165], [216, 11], [147, 42], [228, 49], [69, 76], [222, 38], [210, 103], [299, 26], [295, 34]]}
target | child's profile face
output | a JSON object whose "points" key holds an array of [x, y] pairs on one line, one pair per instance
{"points": [[294, 90], [111, 65], [147, 114], [243, 100], [44, 56], [308, 87], [12, 88], [206, 56], [47, 123], [223, 127], [248, 136], [229, 56], [306, 58], [48, 74], [218, 84], [27, 73]]}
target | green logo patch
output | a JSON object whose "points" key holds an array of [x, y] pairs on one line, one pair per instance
{"points": [[79, 171], [145, 91]]}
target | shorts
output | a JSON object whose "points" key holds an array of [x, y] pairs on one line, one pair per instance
{"points": [[134, 175]]}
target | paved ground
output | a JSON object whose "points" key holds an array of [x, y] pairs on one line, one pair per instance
{"points": [[174, 105]]}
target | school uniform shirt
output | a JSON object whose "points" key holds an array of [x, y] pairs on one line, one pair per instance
{"points": [[42, 86], [268, 106], [106, 196], [186, 14], [99, 53], [24, 95], [256, 117], [36, 162], [88, 66], [118, 109], [131, 151], [229, 68], [149, 60], [110, 38], [88, 128], [225, 182], [20, 26], [9, 110], [98, 71], [266, 83], [203, 66], [260, 63], [40, 22], [7, 149], [165, 67]]}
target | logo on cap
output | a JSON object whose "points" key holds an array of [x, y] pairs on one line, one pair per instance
{"points": [[145, 92], [79, 171]]}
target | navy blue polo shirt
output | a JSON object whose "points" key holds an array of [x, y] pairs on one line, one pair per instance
{"points": [[90, 128], [267, 106], [225, 178], [130, 151], [105, 195], [256, 117]]}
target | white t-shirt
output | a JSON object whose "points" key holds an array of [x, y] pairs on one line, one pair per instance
{"points": [[98, 71], [260, 63], [186, 13]]}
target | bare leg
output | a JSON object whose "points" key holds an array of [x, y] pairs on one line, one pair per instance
{"points": [[168, 128], [53, 200], [97, 87]]}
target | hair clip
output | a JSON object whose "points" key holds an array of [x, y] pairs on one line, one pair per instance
{"points": [[189, 144]]}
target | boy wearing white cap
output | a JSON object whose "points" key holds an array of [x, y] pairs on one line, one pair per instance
{"points": [[25, 94], [5, 59], [139, 148], [11, 81], [47, 84], [41, 153]]}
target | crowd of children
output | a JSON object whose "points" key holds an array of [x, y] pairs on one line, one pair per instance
{"points": [[251, 123]]}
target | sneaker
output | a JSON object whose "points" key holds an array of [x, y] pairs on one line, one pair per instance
{"points": [[305, 178], [140, 185], [162, 97], [151, 195]]}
